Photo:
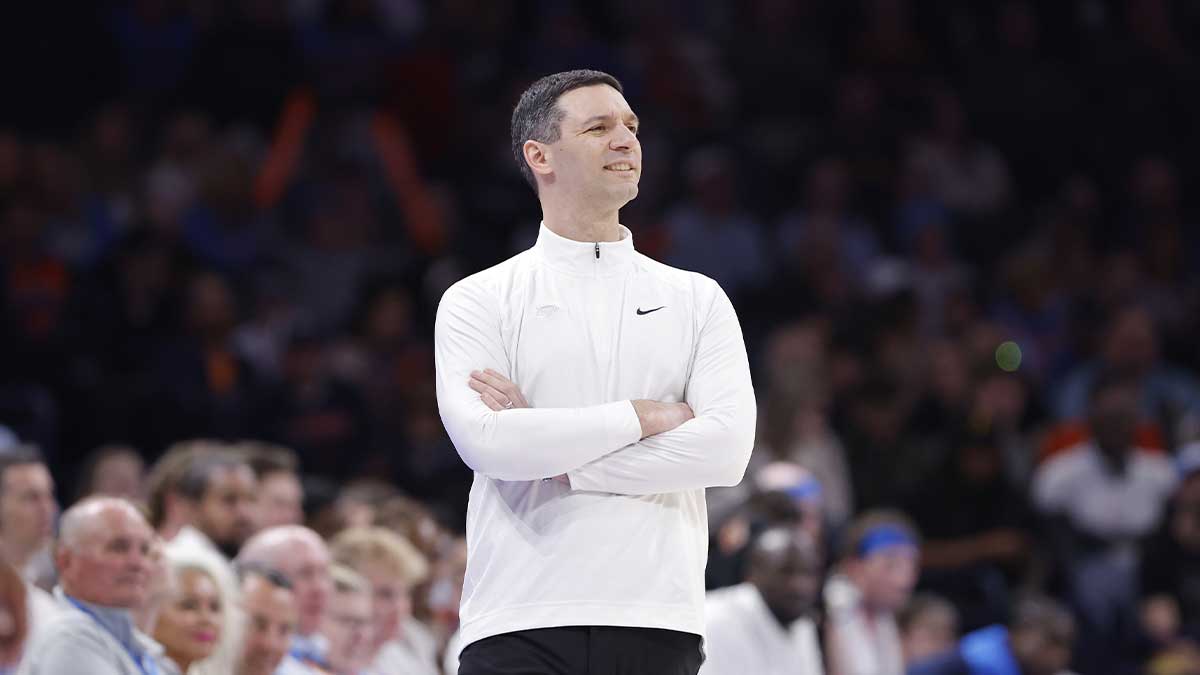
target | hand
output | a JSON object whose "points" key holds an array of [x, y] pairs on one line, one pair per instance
{"points": [[497, 391], [657, 416]]}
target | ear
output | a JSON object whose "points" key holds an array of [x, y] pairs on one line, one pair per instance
{"points": [[62, 558], [537, 156]]}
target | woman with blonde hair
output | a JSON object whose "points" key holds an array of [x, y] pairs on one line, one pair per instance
{"points": [[392, 567], [194, 624]]}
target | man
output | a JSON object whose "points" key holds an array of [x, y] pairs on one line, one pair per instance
{"points": [[873, 581], [622, 381], [268, 606], [347, 624], [766, 625], [27, 511], [1036, 642], [1099, 499], [103, 559], [280, 493], [217, 492], [301, 556], [1170, 594]]}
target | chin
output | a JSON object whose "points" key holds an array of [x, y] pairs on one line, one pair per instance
{"points": [[624, 194]]}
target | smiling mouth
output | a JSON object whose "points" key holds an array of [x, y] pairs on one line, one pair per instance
{"points": [[621, 167]]}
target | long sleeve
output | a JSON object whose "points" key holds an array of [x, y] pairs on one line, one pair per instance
{"points": [[520, 444], [710, 450]]}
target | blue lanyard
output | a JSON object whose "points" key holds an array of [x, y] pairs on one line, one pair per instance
{"points": [[145, 662]]}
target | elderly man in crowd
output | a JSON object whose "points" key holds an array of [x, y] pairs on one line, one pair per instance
{"points": [[103, 559], [301, 555], [766, 625]]}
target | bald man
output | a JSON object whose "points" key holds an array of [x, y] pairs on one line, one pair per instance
{"points": [[300, 555], [765, 625], [104, 567]]}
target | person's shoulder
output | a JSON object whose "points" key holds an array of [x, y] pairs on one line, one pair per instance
{"points": [[700, 285], [489, 281], [1154, 465], [1073, 461]]}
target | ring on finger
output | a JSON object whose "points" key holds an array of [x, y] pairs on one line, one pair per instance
{"points": [[508, 405]]}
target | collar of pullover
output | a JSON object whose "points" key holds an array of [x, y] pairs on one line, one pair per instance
{"points": [[583, 258]]}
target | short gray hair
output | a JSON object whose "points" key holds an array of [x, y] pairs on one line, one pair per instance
{"points": [[76, 520]]}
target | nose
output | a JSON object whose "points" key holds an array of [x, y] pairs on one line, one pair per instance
{"points": [[623, 139]]}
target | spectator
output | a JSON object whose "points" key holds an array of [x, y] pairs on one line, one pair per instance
{"points": [[767, 624], [1129, 348], [347, 624], [1037, 641], [167, 511], [268, 606], [300, 555], [392, 567], [192, 621], [1170, 571], [27, 513], [711, 232], [217, 492], [318, 414], [1099, 499], [975, 527], [969, 176], [872, 581], [104, 566], [202, 384], [280, 493], [113, 471], [928, 628]]}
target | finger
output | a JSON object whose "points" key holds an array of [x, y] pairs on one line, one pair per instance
{"points": [[487, 389], [491, 402], [495, 379], [504, 385]]}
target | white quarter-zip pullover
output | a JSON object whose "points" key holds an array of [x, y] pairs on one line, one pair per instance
{"points": [[583, 329]]}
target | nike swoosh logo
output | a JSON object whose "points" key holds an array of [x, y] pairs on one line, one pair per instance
{"points": [[647, 311]]}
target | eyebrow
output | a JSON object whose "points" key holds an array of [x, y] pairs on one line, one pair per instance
{"points": [[602, 118]]}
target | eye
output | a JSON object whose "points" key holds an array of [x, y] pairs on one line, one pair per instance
{"points": [[598, 127], [633, 128]]}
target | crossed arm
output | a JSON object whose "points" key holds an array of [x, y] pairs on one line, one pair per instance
{"points": [[626, 447]]}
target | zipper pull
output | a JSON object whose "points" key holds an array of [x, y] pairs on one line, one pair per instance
{"points": [[597, 250]]}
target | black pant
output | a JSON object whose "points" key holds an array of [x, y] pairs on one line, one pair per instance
{"points": [[584, 650]]}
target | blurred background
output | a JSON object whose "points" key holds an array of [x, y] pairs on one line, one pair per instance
{"points": [[960, 238]]}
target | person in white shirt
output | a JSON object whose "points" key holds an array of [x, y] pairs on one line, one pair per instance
{"points": [[765, 625], [873, 581], [596, 393]]}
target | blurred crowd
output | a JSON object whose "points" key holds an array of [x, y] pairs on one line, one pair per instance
{"points": [[956, 234]]}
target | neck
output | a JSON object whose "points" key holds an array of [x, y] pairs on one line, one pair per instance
{"points": [[181, 661], [17, 555], [146, 617], [580, 223]]}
